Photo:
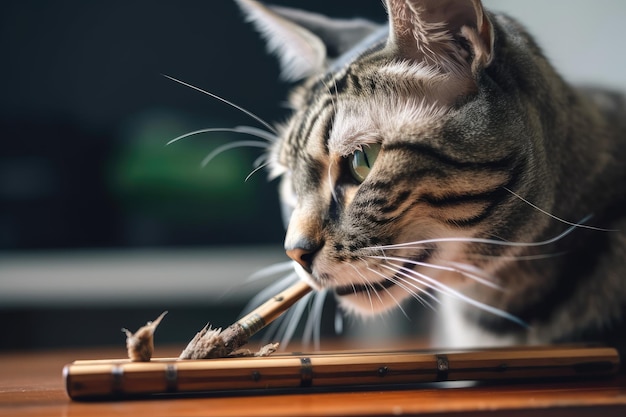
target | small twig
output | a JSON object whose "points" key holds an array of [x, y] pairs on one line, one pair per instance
{"points": [[212, 343]]}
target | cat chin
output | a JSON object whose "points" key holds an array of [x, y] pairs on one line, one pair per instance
{"points": [[364, 305], [356, 305]]}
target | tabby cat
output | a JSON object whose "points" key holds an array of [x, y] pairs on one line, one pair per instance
{"points": [[441, 157]]}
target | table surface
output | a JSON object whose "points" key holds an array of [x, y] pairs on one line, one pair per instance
{"points": [[31, 384]]}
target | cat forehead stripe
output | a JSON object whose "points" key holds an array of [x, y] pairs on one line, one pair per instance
{"points": [[358, 123]]}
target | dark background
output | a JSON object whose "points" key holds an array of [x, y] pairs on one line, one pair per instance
{"points": [[85, 114]]}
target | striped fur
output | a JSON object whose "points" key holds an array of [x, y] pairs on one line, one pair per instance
{"points": [[488, 157]]}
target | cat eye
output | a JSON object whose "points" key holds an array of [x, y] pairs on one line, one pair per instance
{"points": [[362, 161]]}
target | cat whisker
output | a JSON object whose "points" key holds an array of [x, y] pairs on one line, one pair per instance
{"points": [[313, 325], [255, 170], [406, 286], [412, 284], [516, 257], [399, 246], [338, 322], [579, 224], [271, 137], [275, 287], [412, 280], [223, 100], [367, 285], [371, 285], [233, 145], [271, 270], [261, 160], [476, 274], [279, 326], [272, 289], [330, 182], [297, 312], [455, 267], [285, 326], [421, 244], [247, 130], [199, 132], [446, 290]]}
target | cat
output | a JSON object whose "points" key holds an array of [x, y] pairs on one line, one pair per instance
{"points": [[441, 157]]}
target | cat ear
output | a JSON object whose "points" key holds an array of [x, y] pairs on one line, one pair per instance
{"points": [[439, 31], [300, 52], [338, 35], [304, 42]]}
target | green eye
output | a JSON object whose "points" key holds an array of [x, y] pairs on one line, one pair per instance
{"points": [[362, 161]]}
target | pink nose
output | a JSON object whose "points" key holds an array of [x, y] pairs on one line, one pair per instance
{"points": [[302, 256]]}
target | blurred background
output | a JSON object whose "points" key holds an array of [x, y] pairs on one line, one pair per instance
{"points": [[101, 224]]}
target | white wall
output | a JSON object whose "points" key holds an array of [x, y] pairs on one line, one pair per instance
{"points": [[584, 39]]}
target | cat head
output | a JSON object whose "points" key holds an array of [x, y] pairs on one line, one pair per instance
{"points": [[396, 154]]}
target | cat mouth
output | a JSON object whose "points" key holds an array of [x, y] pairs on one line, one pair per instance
{"points": [[384, 285], [360, 288]]}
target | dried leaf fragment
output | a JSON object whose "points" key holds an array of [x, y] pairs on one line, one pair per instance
{"points": [[265, 351], [207, 343], [140, 345], [210, 343]]}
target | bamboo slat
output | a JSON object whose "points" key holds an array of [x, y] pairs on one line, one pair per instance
{"points": [[121, 378]]}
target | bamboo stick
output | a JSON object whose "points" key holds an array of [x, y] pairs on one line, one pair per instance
{"points": [[105, 379], [214, 343]]}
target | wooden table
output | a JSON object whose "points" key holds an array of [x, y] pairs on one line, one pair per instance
{"points": [[31, 384]]}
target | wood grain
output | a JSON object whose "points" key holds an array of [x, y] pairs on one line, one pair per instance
{"points": [[31, 384], [345, 369]]}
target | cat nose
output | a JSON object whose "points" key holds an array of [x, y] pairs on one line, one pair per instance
{"points": [[303, 253], [303, 257]]}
